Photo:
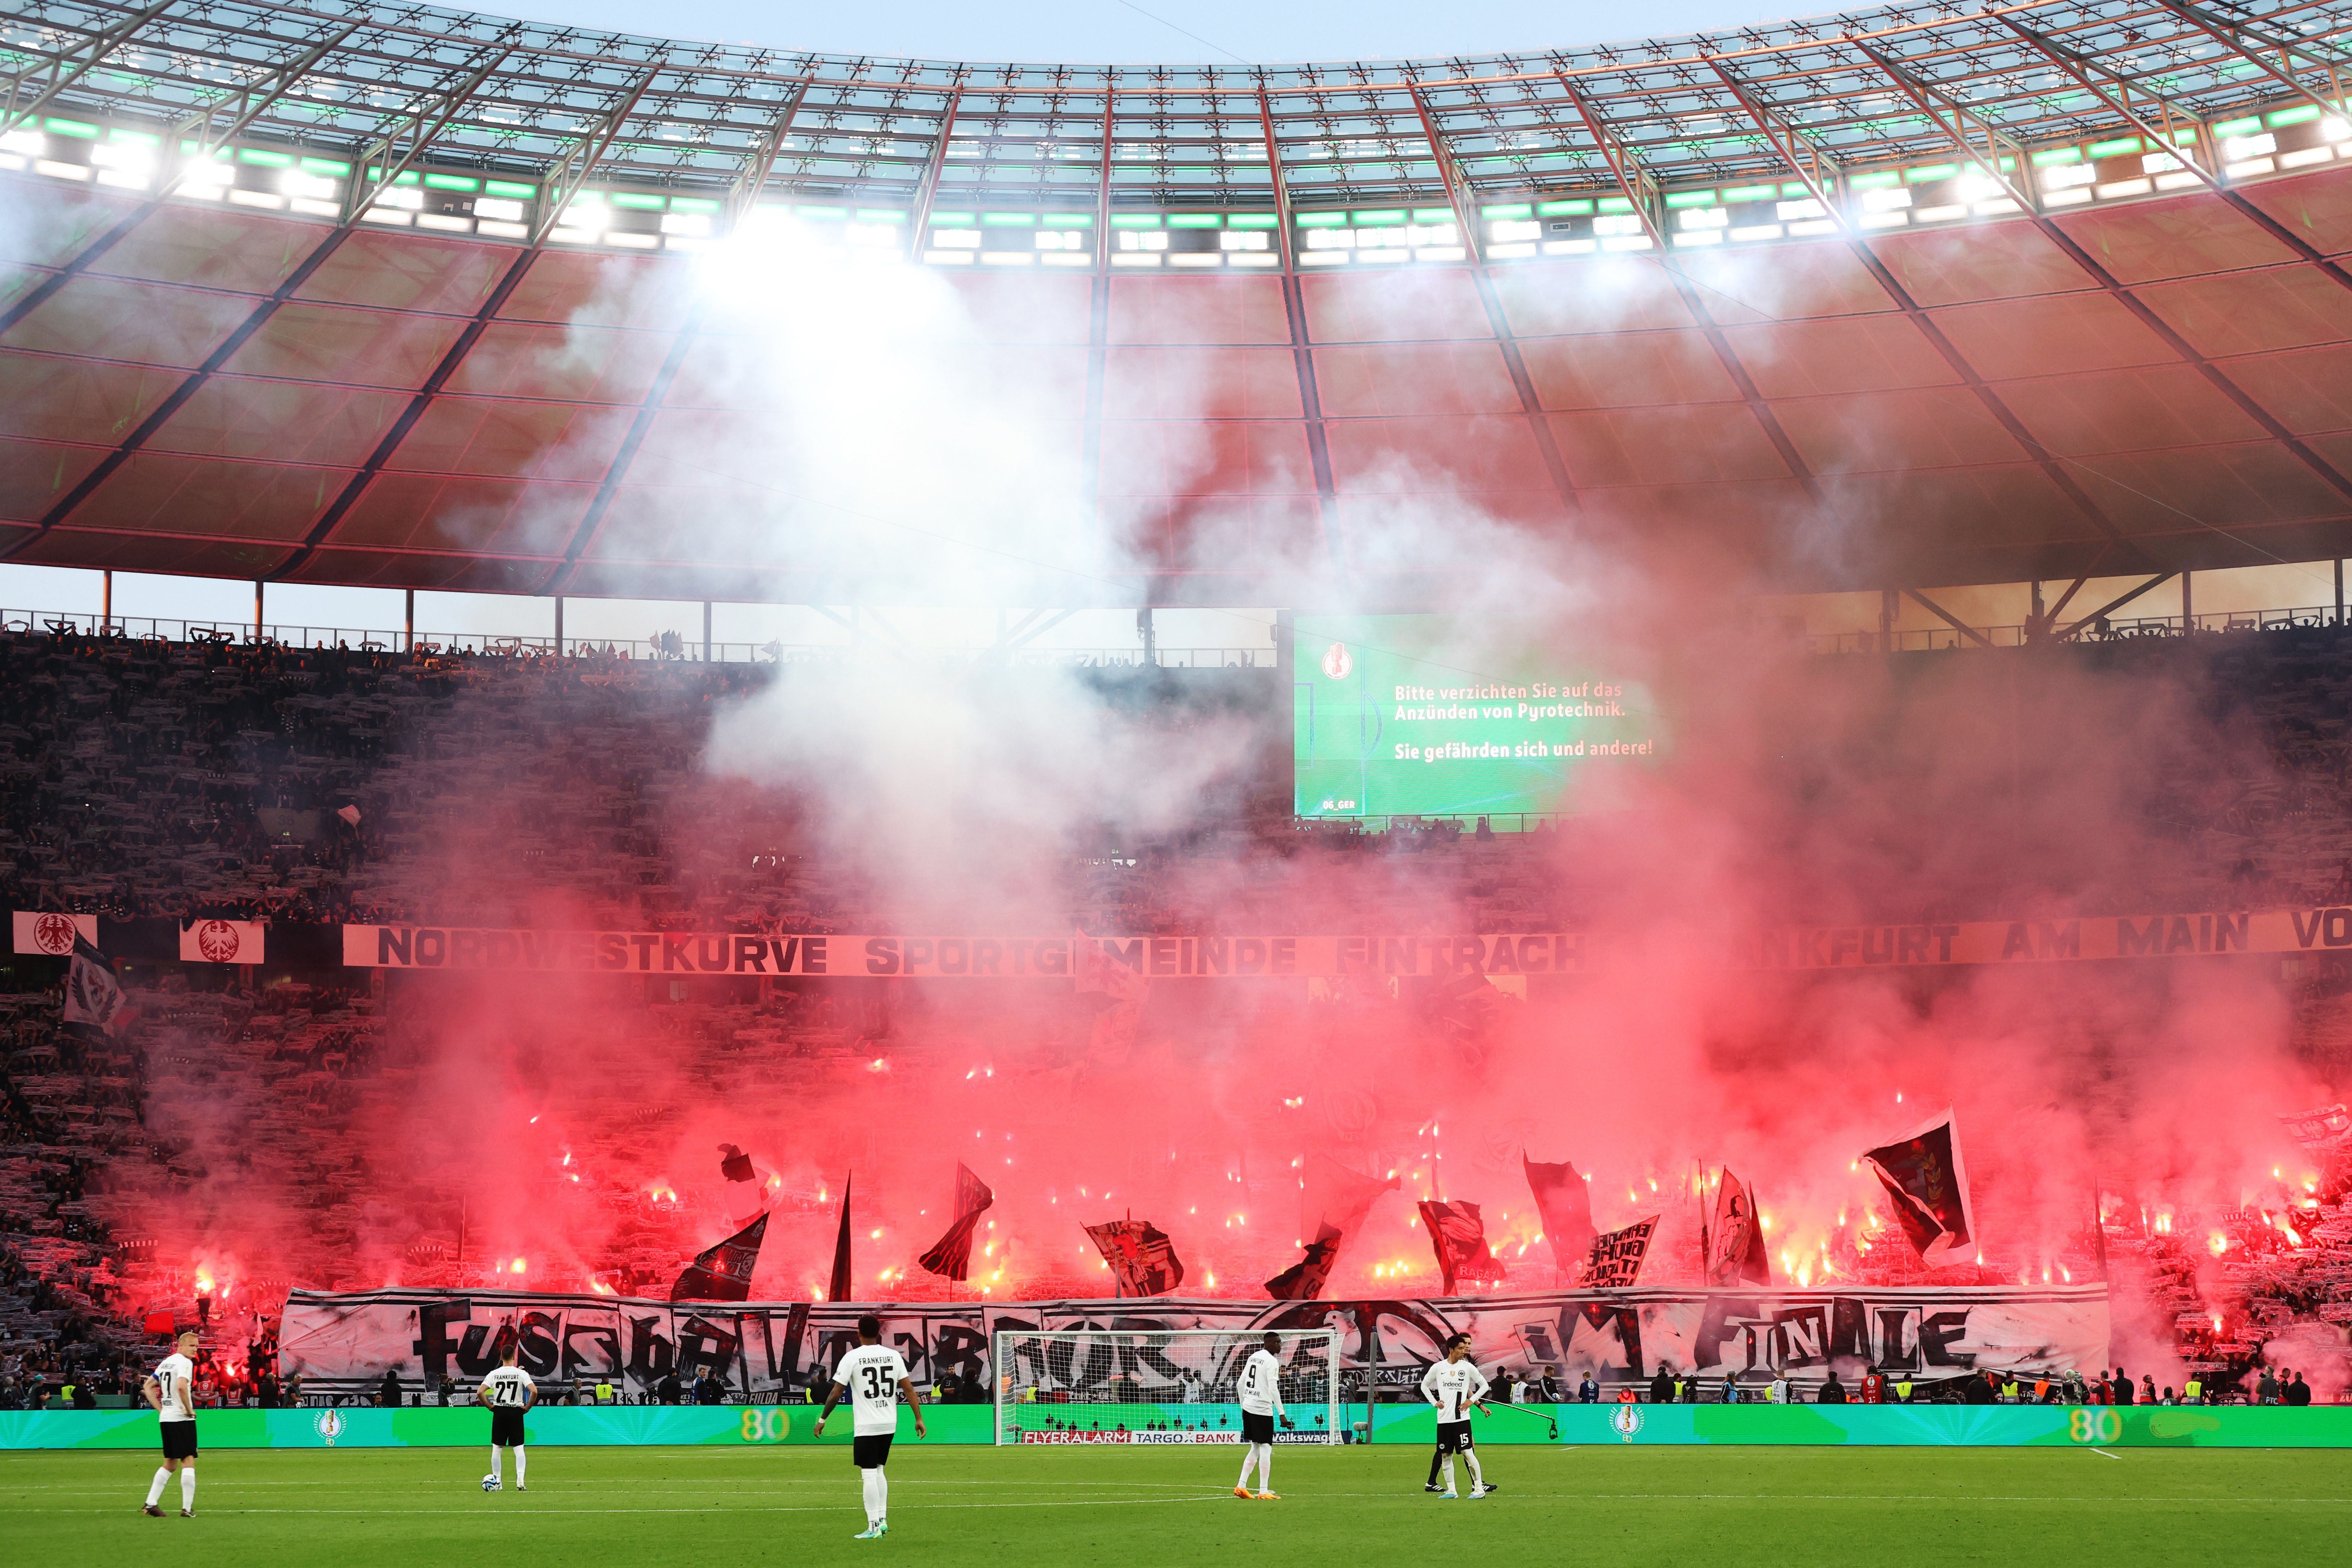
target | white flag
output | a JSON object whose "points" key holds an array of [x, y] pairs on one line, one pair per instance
{"points": [[92, 994], [51, 935], [221, 941]]}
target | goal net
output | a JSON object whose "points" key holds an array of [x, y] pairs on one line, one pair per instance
{"points": [[1161, 1386]]}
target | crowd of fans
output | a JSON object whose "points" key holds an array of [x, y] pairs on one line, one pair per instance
{"points": [[154, 780]]}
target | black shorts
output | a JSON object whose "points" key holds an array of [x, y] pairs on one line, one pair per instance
{"points": [[1453, 1437], [870, 1453], [1256, 1428], [506, 1428], [179, 1439]]}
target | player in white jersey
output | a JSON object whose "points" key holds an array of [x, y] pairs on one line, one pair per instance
{"points": [[509, 1392], [171, 1391], [873, 1376], [1454, 1385], [1260, 1388]]}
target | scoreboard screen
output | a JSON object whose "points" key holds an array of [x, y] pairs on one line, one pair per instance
{"points": [[1440, 716]]}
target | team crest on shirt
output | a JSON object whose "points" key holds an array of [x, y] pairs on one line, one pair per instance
{"points": [[329, 1425], [1627, 1420]]}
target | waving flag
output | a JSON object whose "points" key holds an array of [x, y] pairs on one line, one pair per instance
{"points": [[1616, 1260], [1734, 1251], [723, 1273], [1303, 1280], [1333, 1203], [1922, 1172], [951, 1255], [1141, 1258], [94, 995], [1566, 1207], [1459, 1238], [838, 1289]]}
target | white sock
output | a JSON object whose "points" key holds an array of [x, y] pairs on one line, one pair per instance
{"points": [[1249, 1463], [494, 1465], [1478, 1481], [519, 1463], [188, 1487], [871, 1482], [1449, 1473], [1265, 1466], [881, 1497], [155, 1493]]}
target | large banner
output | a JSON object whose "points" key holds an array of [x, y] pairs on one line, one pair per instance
{"points": [[774, 1349], [956, 956], [964, 955]]}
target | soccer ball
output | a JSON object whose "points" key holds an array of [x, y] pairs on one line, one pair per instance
{"points": [[490, 1483]]}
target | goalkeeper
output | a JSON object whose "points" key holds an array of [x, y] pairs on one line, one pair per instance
{"points": [[1261, 1395]]}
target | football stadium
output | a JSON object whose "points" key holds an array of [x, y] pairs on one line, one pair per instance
{"points": [[738, 784]]}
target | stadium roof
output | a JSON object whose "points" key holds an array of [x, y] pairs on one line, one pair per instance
{"points": [[2026, 292]]}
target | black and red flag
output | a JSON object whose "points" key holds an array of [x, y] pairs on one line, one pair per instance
{"points": [[1614, 1261], [1566, 1207], [1922, 1172], [1333, 1203], [951, 1254], [838, 1289], [1141, 1258], [1458, 1237], [1734, 1250], [724, 1272], [1303, 1280]]}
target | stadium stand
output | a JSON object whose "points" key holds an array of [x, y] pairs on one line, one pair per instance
{"points": [[161, 781]]}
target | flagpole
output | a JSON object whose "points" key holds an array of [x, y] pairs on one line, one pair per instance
{"points": [[1699, 1188]]}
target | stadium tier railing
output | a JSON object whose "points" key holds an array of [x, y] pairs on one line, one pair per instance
{"points": [[1467, 823], [2116, 628], [676, 646]]}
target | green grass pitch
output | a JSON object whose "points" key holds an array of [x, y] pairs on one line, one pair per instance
{"points": [[721, 1506]]}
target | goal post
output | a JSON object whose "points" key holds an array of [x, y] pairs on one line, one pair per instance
{"points": [[1156, 1385]]}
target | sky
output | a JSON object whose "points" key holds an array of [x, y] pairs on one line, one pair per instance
{"points": [[1181, 32]]}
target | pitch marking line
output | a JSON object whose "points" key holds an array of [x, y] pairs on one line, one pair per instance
{"points": [[837, 1508], [1938, 1498]]}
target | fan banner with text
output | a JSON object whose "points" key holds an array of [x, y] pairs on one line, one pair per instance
{"points": [[345, 1342], [1007, 955]]}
